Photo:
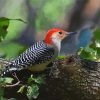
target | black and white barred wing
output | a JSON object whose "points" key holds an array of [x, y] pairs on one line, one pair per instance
{"points": [[36, 54]]}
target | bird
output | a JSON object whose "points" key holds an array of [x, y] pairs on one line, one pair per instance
{"points": [[85, 37], [40, 54], [84, 18]]}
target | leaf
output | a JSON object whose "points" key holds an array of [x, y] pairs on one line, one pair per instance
{"points": [[61, 57], [88, 53], [21, 89], [6, 80], [4, 23], [30, 79], [32, 91], [19, 20], [8, 28], [97, 34], [98, 51], [39, 80], [1, 98], [97, 44]]}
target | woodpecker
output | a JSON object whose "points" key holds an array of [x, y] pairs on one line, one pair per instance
{"points": [[84, 18], [40, 54]]}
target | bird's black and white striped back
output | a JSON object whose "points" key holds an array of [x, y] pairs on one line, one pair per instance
{"points": [[38, 53]]}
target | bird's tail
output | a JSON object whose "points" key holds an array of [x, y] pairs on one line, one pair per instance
{"points": [[4, 66]]}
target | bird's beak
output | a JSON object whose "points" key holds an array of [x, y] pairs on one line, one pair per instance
{"points": [[70, 33]]}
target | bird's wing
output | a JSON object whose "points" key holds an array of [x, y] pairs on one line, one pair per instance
{"points": [[38, 53]]}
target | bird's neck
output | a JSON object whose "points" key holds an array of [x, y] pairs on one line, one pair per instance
{"points": [[57, 45]]}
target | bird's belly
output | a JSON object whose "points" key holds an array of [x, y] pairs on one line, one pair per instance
{"points": [[39, 67]]}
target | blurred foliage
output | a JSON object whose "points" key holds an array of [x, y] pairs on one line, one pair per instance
{"points": [[3, 83], [33, 89], [6, 80], [46, 16], [32, 86], [4, 23], [92, 51], [7, 48], [49, 12], [13, 9], [14, 29], [97, 35], [10, 50]]}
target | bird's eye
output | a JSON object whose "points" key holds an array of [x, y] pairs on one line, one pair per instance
{"points": [[60, 32]]}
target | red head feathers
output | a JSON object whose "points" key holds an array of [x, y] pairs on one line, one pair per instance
{"points": [[50, 33]]}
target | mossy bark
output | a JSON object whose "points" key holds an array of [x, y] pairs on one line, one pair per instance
{"points": [[71, 79]]}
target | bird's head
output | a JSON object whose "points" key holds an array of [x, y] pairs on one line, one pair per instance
{"points": [[54, 37]]}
